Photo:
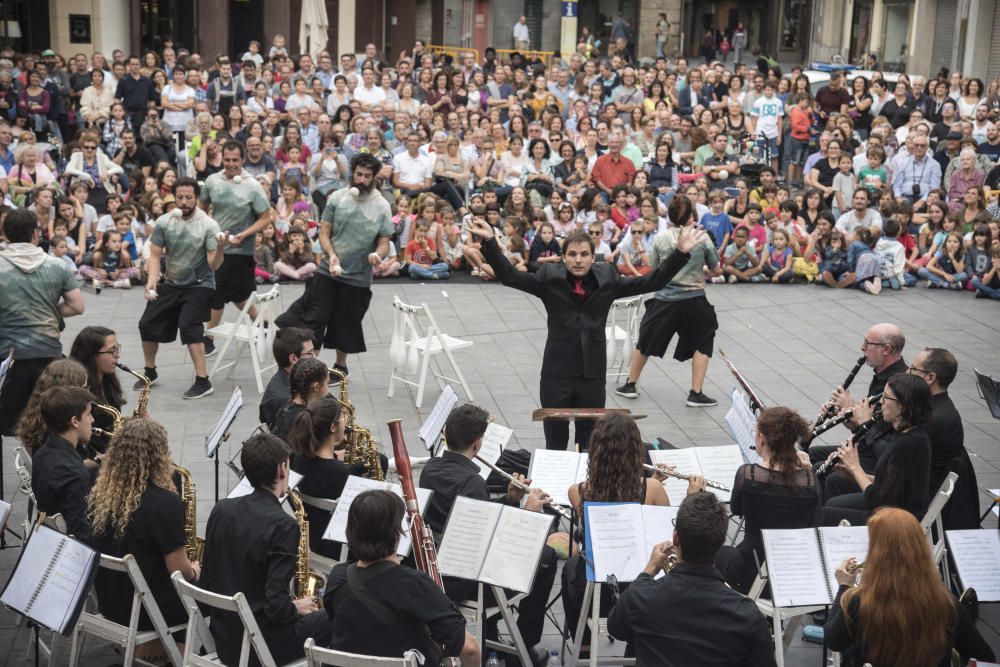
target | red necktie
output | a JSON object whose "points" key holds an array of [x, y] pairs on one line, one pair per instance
{"points": [[578, 289]]}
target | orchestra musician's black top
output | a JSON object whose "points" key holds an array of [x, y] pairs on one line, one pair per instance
{"points": [[154, 529], [449, 476], [841, 628], [874, 442], [410, 612], [665, 621], [61, 484], [276, 394], [902, 474], [877, 385], [283, 420], [322, 478], [948, 453]]}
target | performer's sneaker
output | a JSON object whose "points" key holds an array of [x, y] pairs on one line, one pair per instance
{"points": [[150, 374], [209, 347], [201, 387], [696, 399], [628, 390]]}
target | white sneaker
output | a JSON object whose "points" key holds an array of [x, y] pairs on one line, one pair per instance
{"points": [[732, 280], [716, 280], [873, 286], [475, 272], [124, 283]]}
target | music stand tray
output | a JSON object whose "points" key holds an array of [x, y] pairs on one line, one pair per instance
{"points": [[573, 414]]}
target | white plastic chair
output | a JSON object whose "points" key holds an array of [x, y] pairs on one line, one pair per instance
{"points": [[317, 657], [127, 637], [778, 615], [621, 333], [411, 349], [933, 524], [249, 332], [22, 465], [198, 633]]}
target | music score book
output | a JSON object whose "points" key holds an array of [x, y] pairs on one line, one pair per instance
{"points": [[718, 464], [743, 426], [337, 528], [49, 584], [977, 558], [243, 487], [493, 543], [226, 419], [554, 471], [494, 441], [431, 429], [802, 563], [621, 536]]}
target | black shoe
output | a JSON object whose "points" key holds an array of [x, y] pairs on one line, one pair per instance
{"points": [[150, 374], [209, 347], [628, 390], [201, 387], [696, 399], [342, 369], [539, 656], [819, 617]]}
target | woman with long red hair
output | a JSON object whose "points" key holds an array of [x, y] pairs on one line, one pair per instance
{"points": [[900, 613]]}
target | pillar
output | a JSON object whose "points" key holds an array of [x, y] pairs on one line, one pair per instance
{"points": [[346, 10], [569, 12]]}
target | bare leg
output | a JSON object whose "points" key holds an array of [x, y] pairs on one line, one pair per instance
{"points": [[699, 368], [149, 350], [635, 368], [197, 351], [341, 358]]}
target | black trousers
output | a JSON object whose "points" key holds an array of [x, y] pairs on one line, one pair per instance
{"points": [[849, 506], [17, 389], [570, 393], [445, 189]]}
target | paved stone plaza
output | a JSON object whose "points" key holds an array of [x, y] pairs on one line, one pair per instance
{"points": [[794, 344]]}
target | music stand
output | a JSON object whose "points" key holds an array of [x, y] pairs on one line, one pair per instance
{"points": [[755, 403], [220, 433], [989, 391], [573, 414], [5, 366], [432, 428]]}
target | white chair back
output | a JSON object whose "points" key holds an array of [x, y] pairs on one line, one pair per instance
{"points": [[621, 332], [255, 333], [324, 563], [933, 524], [316, 657]]}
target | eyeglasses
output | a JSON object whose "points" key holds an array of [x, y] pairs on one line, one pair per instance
{"points": [[887, 397], [90, 148], [114, 352], [868, 343], [920, 370]]}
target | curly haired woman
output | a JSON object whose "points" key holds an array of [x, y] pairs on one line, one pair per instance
{"points": [[31, 429]]}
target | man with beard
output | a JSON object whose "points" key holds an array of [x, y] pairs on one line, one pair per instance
{"points": [[354, 234], [183, 300]]}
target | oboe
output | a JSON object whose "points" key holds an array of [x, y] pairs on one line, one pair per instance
{"points": [[561, 511], [828, 410], [839, 419], [670, 473]]}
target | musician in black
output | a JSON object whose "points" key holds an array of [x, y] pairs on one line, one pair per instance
{"points": [[290, 345], [59, 479], [577, 294], [902, 474], [690, 616], [250, 547], [455, 474], [938, 368], [307, 382], [97, 348], [378, 608]]}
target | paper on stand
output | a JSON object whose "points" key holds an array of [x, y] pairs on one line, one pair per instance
{"points": [[977, 559], [465, 542], [555, 471], [243, 487], [494, 441], [431, 429], [337, 528], [743, 426]]}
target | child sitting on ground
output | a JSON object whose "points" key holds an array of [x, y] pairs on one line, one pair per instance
{"points": [[892, 258], [297, 258], [756, 231], [947, 268], [602, 251], [453, 248], [977, 256], [741, 264], [544, 249], [834, 269], [388, 267], [421, 255], [777, 260], [861, 257], [263, 261], [112, 265], [988, 287], [59, 248]]}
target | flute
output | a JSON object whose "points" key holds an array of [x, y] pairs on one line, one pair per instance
{"points": [[558, 509], [828, 409], [670, 473]]}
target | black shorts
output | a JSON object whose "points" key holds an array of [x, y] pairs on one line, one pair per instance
{"points": [[334, 311], [693, 320], [177, 308], [234, 281]]}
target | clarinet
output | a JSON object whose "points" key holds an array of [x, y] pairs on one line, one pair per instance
{"points": [[824, 469], [828, 410], [839, 419]]}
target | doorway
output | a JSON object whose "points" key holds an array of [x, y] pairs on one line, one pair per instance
{"points": [[159, 19], [246, 23]]}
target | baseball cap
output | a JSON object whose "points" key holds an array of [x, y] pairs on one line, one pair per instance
{"points": [[48, 52], [954, 136]]}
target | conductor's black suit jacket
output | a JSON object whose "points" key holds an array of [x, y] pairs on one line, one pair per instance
{"points": [[576, 345]]}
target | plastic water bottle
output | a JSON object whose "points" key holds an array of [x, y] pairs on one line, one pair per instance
{"points": [[553, 659], [493, 661]]}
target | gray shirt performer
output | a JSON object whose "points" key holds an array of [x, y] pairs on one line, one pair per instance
{"points": [[182, 301], [242, 209], [354, 234], [679, 308]]}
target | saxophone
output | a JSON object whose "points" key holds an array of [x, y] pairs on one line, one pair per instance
{"points": [[142, 407], [116, 415], [360, 443], [189, 497], [308, 583]]}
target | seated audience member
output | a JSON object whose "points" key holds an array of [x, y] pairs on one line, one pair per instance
{"points": [[290, 345]]}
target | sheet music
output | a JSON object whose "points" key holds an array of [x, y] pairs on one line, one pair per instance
{"points": [[51, 579], [977, 557], [743, 426], [685, 461], [658, 525], [494, 441], [214, 439], [794, 568], [337, 528], [615, 540], [434, 424], [5, 367], [839, 544], [996, 508], [243, 487], [719, 464], [516, 546], [467, 537], [555, 471], [5, 509]]}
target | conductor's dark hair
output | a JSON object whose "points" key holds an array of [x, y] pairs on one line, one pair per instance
{"points": [[374, 524], [304, 373], [365, 161], [942, 363], [188, 182], [466, 424], [579, 236], [289, 341], [701, 528], [86, 349], [233, 145], [312, 425], [261, 456], [19, 225], [61, 404], [914, 399], [681, 210]]}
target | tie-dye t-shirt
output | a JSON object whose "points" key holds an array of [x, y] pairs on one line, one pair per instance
{"points": [[235, 206], [356, 226], [29, 321], [186, 246]]}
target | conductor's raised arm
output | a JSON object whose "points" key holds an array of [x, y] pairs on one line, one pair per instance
{"points": [[505, 272], [689, 238]]}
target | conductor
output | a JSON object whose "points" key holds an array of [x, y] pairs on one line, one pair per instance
{"points": [[578, 294]]}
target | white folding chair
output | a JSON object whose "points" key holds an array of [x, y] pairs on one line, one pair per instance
{"points": [[317, 657], [198, 633], [22, 465], [621, 333], [417, 464], [325, 563], [255, 333], [127, 637], [590, 616], [411, 349], [933, 524], [778, 615]]}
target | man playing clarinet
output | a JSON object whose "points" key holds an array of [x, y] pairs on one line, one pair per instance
{"points": [[578, 294]]}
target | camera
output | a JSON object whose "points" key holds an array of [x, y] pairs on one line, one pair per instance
{"points": [[916, 190]]}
